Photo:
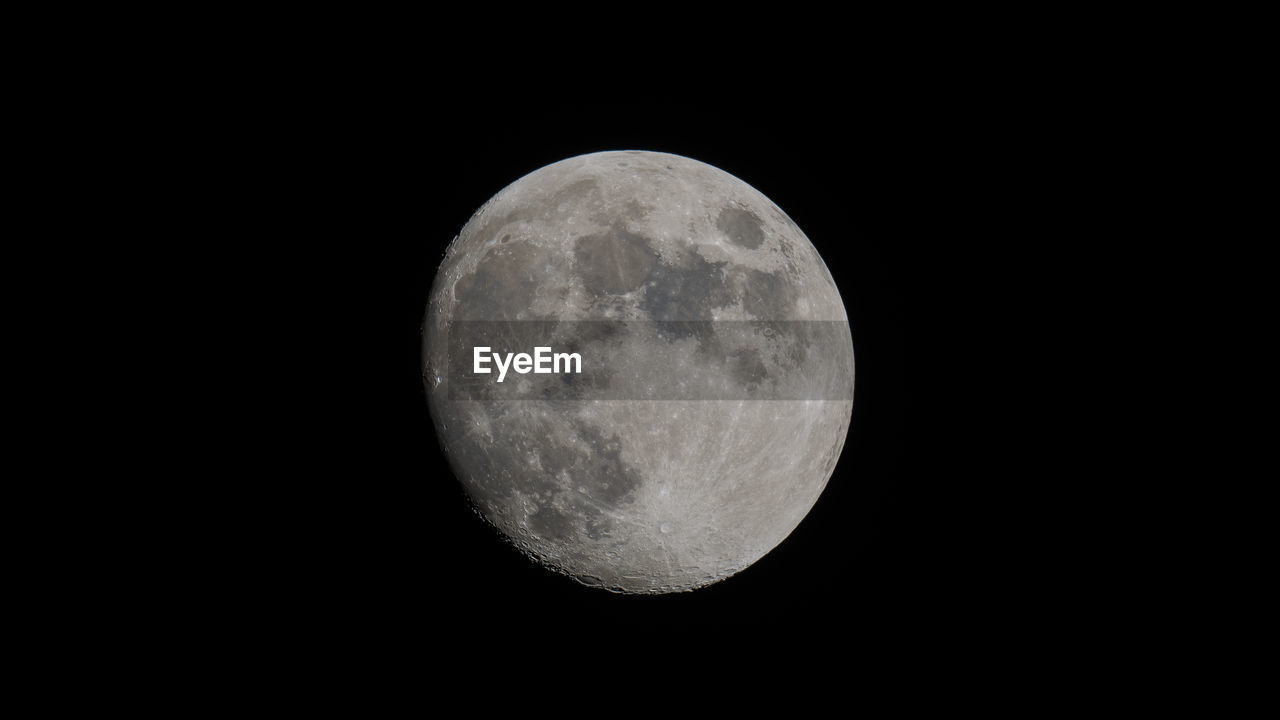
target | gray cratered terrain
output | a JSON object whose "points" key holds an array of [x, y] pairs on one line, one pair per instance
{"points": [[717, 379]]}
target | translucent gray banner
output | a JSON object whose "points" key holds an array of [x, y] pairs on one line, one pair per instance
{"points": [[496, 361]]}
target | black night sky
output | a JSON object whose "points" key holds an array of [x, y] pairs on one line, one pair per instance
{"points": [[899, 544]]}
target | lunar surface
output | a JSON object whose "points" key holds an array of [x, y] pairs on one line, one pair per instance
{"points": [[716, 382]]}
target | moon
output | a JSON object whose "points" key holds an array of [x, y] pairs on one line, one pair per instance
{"points": [[716, 381]]}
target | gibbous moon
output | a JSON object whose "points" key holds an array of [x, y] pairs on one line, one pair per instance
{"points": [[716, 380]]}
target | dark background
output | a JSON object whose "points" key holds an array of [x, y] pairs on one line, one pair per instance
{"points": [[379, 537], [302, 199]]}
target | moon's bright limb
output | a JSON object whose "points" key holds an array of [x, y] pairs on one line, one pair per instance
{"points": [[686, 450]]}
